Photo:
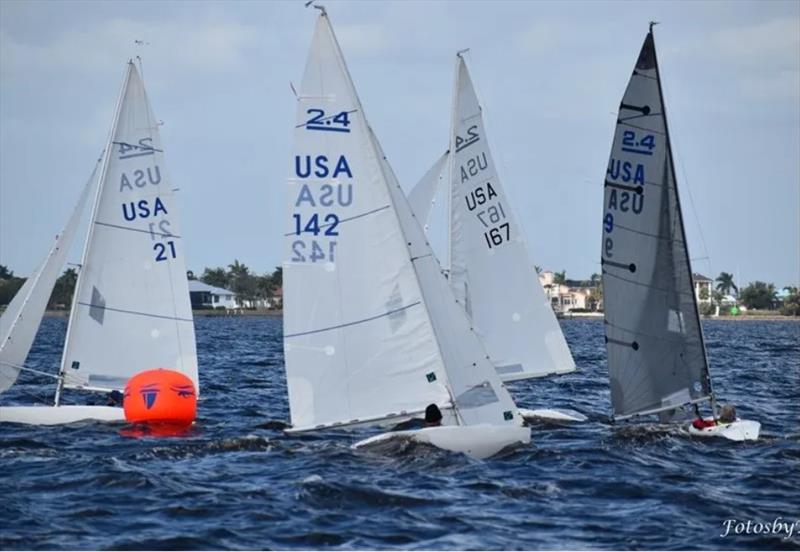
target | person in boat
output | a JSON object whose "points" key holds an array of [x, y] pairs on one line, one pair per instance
{"points": [[727, 415], [114, 398], [433, 418]]}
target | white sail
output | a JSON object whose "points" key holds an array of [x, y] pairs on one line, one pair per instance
{"points": [[20, 321], [423, 196], [131, 310], [491, 272], [656, 356], [361, 340]]}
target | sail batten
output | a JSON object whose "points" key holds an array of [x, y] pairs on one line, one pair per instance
{"points": [[654, 341]]}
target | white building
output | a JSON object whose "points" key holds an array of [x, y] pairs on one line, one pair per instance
{"points": [[702, 287], [204, 296], [562, 297]]}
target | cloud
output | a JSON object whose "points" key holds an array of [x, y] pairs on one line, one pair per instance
{"points": [[366, 39], [206, 46], [765, 57]]}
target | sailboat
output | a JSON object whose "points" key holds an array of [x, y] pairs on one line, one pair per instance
{"points": [[657, 360], [131, 308], [490, 270], [372, 332]]}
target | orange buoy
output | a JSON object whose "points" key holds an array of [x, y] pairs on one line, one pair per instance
{"points": [[160, 396]]}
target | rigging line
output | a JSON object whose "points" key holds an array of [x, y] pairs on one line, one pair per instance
{"points": [[648, 234], [123, 311], [151, 232], [355, 322], [687, 187], [347, 219]]}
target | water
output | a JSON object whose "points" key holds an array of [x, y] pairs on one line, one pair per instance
{"points": [[237, 482]]}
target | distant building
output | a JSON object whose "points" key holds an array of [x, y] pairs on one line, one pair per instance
{"points": [[204, 296], [562, 297], [702, 287]]}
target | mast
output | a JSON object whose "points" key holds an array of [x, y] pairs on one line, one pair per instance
{"points": [[450, 165], [106, 155], [683, 228]]}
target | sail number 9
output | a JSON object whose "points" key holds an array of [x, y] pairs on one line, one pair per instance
{"points": [[608, 243]]}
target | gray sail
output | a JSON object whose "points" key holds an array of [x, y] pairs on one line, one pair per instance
{"points": [[656, 354]]}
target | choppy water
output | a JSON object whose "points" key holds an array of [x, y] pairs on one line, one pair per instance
{"points": [[236, 482]]}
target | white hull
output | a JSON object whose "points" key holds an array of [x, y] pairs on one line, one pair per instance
{"points": [[740, 430], [56, 415], [551, 415], [479, 441]]}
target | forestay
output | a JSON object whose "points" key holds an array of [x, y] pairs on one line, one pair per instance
{"points": [[131, 309], [20, 321], [491, 272], [656, 355], [365, 301]]}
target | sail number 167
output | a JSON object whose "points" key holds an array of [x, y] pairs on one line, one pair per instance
{"points": [[498, 235]]}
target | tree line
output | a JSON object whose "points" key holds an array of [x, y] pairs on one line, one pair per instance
{"points": [[236, 277], [249, 286]]}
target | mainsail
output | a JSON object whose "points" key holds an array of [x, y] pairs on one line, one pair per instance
{"points": [[20, 321], [491, 273], [131, 309], [371, 331], [656, 355]]}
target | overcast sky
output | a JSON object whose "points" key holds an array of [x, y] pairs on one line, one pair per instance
{"points": [[550, 76]]}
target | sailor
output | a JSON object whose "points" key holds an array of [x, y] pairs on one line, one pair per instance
{"points": [[433, 418], [727, 414], [114, 398], [700, 422]]}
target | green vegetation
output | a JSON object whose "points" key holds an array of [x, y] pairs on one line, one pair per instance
{"points": [[791, 305], [237, 278], [9, 285], [725, 284], [759, 295]]}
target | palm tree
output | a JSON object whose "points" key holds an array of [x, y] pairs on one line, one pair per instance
{"points": [[560, 277], [538, 269], [725, 284], [5, 273], [216, 277]]}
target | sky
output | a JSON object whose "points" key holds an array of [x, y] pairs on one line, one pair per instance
{"points": [[550, 76]]}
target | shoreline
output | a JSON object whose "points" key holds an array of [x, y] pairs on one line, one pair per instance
{"points": [[207, 313], [770, 317]]}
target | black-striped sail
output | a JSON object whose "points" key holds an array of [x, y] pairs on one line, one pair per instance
{"points": [[656, 354]]}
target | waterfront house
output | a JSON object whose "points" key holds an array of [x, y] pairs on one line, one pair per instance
{"points": [[204, 296], [703, 286]]}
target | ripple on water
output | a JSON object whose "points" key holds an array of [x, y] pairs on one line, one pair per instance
{"points": [[237, 481]]}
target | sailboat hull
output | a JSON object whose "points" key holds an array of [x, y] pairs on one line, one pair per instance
{"points": [[478, 441], [740, 430], [57, 415], [551, 414]]}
